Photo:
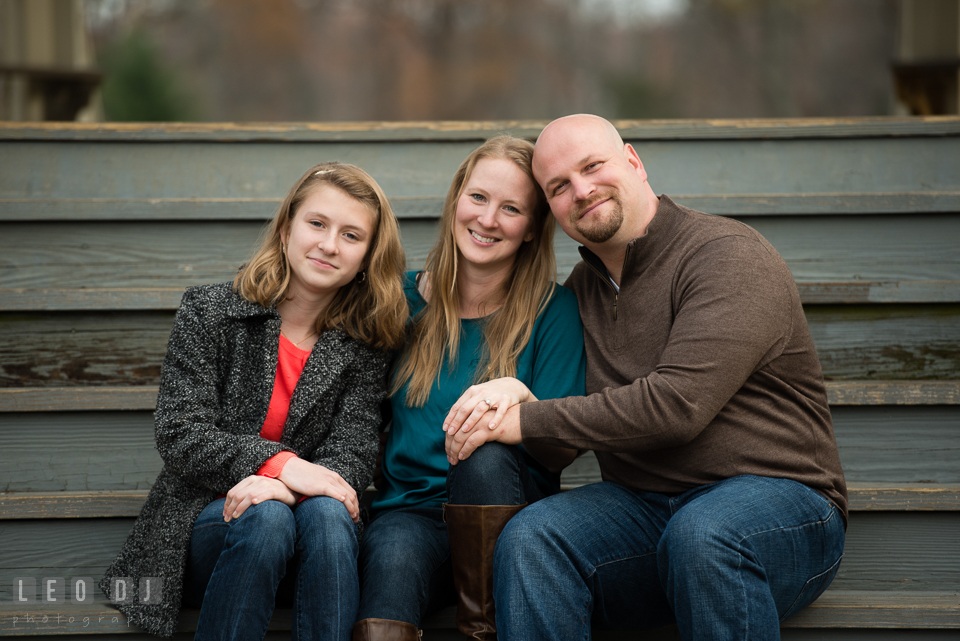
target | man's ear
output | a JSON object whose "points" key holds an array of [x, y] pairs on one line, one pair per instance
{"points": [[634, 159]]}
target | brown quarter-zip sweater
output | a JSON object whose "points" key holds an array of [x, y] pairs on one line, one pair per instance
{"points": [[701, 368]]}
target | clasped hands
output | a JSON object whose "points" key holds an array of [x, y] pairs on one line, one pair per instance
{"points": [[490, 408], [297, 479], [490, 405]]}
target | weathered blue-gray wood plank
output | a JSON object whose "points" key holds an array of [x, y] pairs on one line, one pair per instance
{"points": [[143, 397], [893, 444], [367, 131], [889, 341], [89, 451], [37, 629], [50, 452], [886, 551], [868, 251], [876, 497], [127, 348], [158, 298], [144, 253], [745, 174], [744, 205]]}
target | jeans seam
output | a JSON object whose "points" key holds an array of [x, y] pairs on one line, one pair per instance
{"points": [[820, 522], [789, 611], [621, 560], [797, 526]]}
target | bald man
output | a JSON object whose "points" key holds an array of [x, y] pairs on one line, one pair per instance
{"points": [[723, 505]]}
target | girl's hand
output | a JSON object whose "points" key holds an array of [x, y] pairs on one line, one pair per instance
{"points": [[500, 394], [311, 479], [253, 490]]}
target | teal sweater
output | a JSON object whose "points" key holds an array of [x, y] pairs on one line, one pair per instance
{"points": [[552, 365]]}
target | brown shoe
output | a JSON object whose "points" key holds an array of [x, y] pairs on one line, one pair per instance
{"points": [[384, 630], [473, 531]]}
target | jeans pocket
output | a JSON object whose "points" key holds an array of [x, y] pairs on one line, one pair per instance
{"points": [[811, 590]]}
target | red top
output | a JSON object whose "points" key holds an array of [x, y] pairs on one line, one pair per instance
{"points": [[289, 367]]}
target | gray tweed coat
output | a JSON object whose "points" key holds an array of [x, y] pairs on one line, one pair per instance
{"points": [[215, 387]]}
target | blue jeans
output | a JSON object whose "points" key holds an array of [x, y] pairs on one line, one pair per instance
{"points": [[234, 569], [729, 560], [405, 556]]}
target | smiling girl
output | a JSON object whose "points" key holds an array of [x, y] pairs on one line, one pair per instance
{"points": [[485, 307], [267, 422]]}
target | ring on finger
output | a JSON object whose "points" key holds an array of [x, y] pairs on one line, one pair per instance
{"points": [[487, 401]]}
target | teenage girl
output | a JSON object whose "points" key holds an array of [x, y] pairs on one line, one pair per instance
{"points": [[267, 423]]}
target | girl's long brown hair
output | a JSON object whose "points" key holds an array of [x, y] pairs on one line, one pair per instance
{"points": [[435, 332], [371, 309]]}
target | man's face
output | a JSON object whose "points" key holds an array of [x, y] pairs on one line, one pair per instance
{"points": [[588, 178]]}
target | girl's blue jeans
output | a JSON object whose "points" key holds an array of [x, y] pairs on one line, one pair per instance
{"points": [[730, 560], [235, 569]]}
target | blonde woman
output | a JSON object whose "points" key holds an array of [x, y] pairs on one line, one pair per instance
{"points": [[486, 307], [267, 423]]}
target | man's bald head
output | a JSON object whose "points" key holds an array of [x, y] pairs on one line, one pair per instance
{"points": [[561, 131], [595, 184]]}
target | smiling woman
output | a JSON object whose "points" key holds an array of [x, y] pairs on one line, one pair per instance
{"points": [[494, 217], [485, 307]]}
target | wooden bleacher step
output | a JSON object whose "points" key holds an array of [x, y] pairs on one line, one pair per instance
{"points": [[127, 503]]}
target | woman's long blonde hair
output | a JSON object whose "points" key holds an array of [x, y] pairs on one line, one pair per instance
{"points": [[371, 308], [435, 331]]}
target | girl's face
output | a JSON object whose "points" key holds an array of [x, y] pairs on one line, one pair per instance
{"points": [[327, 241], [494, 214]]}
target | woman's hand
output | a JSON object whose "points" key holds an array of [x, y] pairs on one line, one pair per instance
{"points": [[461, 445], [500, 394], [253, 490], [311, 479]]}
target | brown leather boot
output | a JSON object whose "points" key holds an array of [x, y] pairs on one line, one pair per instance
{"points": [[384, 630], [473, 532]]}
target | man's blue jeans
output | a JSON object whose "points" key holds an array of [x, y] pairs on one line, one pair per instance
{"points": [[727, 561], [235, 569], [405, 556]]}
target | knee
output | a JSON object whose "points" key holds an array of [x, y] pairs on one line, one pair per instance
{"points": [[269, 526], [489, 477], [326, 521], [489, 461], [693, 539], [527, 539]]}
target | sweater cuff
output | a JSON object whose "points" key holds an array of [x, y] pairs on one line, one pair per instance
{"points": [[274, 465], [534, 420]]}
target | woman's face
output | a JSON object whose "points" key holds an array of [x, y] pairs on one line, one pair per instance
{"points": [[494, 214], [327, 240]]}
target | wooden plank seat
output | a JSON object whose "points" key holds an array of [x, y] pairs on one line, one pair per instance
{"points": [[888, 497], [835, 609]]}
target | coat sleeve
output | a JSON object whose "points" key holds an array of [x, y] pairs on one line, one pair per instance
{"points": [[350, 448], [188, 438], [733, 316]]}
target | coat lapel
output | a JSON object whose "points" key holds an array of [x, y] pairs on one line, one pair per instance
{"points": [[330, 356]]}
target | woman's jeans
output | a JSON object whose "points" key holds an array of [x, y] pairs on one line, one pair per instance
{"points": [[405, 557], [235, 569], [729, 560]]}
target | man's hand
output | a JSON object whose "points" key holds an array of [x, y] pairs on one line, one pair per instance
{"points": [[462, 444], [500, 394], [253, 490], [311, 479]]}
